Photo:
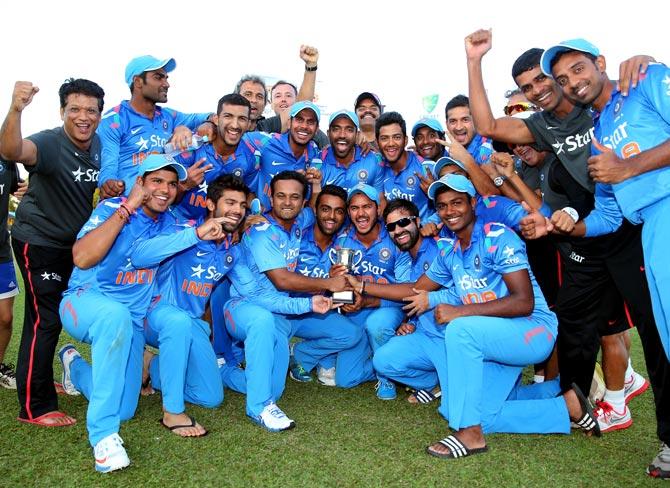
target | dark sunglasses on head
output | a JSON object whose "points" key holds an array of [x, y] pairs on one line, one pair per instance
{"points": [[404, 222], [520, 107]]}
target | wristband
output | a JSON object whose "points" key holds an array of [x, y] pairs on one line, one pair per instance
{"points": [[574, 215], [313, 68]]}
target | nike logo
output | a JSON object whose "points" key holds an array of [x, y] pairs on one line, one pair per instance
{"points": [[135, 131], [551, 127], [275, 163], [200, 254]]}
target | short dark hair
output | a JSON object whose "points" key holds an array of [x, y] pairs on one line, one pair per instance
{"points": [[333, 190], [284, 82], [527, 61], [254, 79], [82, 87], [457, 101], [560, 55], [400, 204], [390, 118], [290, 175], [232, 99], [226, 182]]}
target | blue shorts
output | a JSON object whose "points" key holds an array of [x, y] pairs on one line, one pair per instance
{"points": [[9, 287]]}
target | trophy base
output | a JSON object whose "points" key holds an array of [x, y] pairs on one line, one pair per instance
{"points": [[343, 297]]}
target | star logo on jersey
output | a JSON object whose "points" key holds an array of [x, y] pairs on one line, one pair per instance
{"points": [[202, 187], [78, 173], [508, 252], [558, 147], [197, 271], [95, 220], [46, 276], [304, 271], [143, 144]]}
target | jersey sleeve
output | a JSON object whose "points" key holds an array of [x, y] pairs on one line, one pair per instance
{"points": [[656, 90], [151, 252], [440, 271], [263, 243], [606, 217], [256, 141], [110, 131], [506, 252], [100, 214], [48, 151]]}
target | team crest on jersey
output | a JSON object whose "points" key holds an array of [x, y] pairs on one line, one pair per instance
{"points": [[478, 263], [618, 105], [297, 233], [426, 265], [385, 254], [411, 181], [362, 175], [237, 172], [229, 259], [165, 125]]}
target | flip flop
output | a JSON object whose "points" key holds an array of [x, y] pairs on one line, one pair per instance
{"points": [[456, 449], [40, 421], [175, 427], [588, 422], [424, 396]]}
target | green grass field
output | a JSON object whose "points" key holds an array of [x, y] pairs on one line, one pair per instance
{"points": [[343, 438]]}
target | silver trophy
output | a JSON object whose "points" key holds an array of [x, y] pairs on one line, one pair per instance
{"points": [[349, 259]]}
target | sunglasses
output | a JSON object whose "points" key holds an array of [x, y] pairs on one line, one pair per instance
{"points": [[520, 107], [404, 222]]}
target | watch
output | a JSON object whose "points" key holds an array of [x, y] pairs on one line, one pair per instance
{"points": [[499, 180], [574, 215]]}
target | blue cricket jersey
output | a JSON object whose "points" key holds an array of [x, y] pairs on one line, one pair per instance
{"points": [[127, 273], [477, 272], [276, 156], [265, 247], [367, 169], [241, 164], [630, 125], [187, 279], [406, 184], [128, 137]]}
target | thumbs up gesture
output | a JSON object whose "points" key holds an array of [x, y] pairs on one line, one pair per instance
{"points": [[23, 95], [607, 167]]}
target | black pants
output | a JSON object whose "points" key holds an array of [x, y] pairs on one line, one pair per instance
{"points": [[45, 271], [582, 306]]}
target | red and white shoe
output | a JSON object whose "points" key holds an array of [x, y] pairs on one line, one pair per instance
{"points": [[609, 419], [634, 386]]}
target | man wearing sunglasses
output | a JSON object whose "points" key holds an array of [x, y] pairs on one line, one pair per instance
{"points": [[379, 261]]}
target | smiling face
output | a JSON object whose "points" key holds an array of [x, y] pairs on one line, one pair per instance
{"points": [[368, 112], [342, 135], [362, 213], [539, 89], [330, 214], [287, 200], [391, 142], [456, 210], [233, 205], [161, 185], [404, 236], [581, 78], [81, 117], [232, 122], [255, 93], [303, 126], [426, 145], [529, 155], [282, 97], [460, 125]]}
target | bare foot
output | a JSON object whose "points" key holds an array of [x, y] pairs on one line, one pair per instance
{"points": [[147, 389], [471, 437], [183, 425]]}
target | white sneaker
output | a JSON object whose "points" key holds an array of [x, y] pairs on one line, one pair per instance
{"points": [[7, 376], [110, 454], [634, 386], [597, 391], [67, 354], [326, 376], [609, 419], [273, 419]]}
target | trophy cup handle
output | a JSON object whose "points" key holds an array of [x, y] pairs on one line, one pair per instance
{"points": [[332, 255], [358, 257]]}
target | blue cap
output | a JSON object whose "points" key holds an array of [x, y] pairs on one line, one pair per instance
{"points": [[139, 65], [581, 45], [297, 107], [366, 190], [446, 161], [344, 113], [457, 183], [155, 162], [427, 122]]}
